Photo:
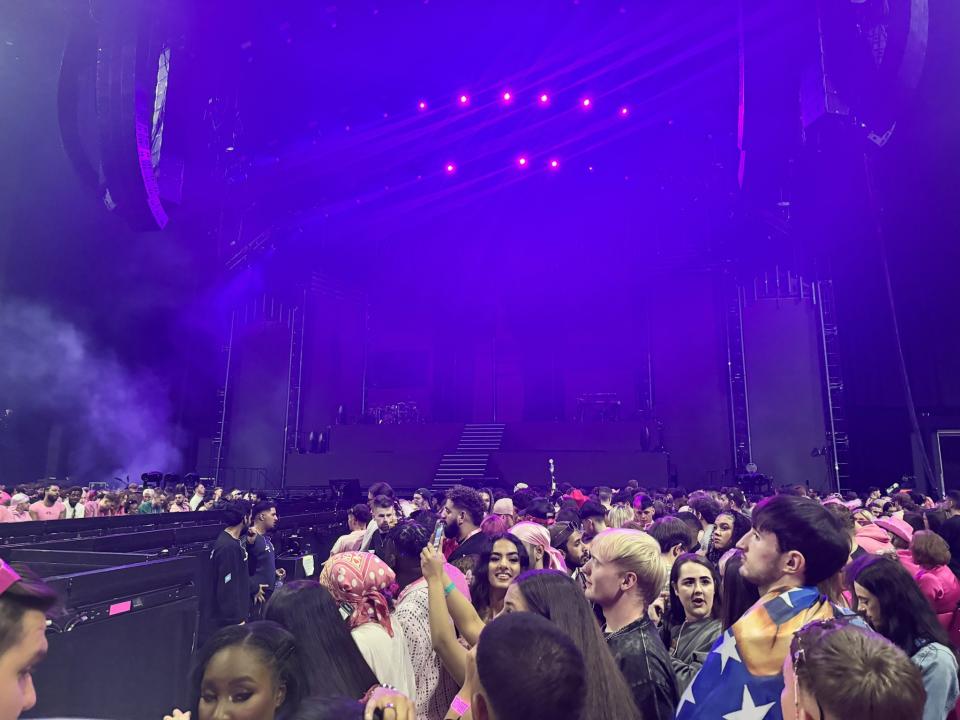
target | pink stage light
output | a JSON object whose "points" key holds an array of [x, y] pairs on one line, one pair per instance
{"points": [[507, 96], [422, 105], [554, 164], [586, 102], [450, 168], [464, 99], [544, 98], [624, 111], [522, 161]]}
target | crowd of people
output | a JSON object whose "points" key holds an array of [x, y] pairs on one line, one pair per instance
{"points": [[614, 605], [52, 501]]}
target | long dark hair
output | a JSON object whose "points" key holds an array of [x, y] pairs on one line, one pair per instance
{"points": [[741, 526], [556, 596], [332, 663], [275, 647], [676, 613], [738, 594], [908, 620], [480, 592]]}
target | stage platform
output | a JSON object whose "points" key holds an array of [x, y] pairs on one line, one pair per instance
{"points": [[407, 456]]}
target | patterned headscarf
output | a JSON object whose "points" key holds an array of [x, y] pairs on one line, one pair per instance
{"points": [[360, 579]]}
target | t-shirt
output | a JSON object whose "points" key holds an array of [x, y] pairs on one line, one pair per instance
{"points": [[387, 656], [45, 512], [262, 561], [74, 512]]}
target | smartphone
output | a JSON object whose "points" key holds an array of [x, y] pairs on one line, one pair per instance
{"points": [[437, 541]]}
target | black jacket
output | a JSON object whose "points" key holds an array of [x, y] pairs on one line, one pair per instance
{"points": [[229, 601], [473, 545], [690, 644], [645, 664]]}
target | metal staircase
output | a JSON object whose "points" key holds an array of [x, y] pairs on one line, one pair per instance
{"points": [[470, 460], [837, 437]]}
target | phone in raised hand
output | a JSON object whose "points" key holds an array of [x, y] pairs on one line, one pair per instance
{"points": [[437, 541]]}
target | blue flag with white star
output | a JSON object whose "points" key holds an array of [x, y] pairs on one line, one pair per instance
{"points": [[742, 678]]}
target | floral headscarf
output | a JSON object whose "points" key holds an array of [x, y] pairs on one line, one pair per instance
{"points": [[359, 579]]}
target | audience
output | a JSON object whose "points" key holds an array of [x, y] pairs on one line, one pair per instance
{"points": [[625, 574], [891, 601], [401, 630], [840, 671], [331, 662], [795, 544], [358, 517], [536, 540], [360, 582], [692, 624], [462, 514], [729, 527], [561, 601], [526, 669], [24, 604]]}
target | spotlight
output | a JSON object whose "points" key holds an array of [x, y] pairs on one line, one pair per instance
{"points": [[544, 98], [586, 102], [522, 161], [450, 168], [624, 111], [464, 99], [422, 105], [507, 96], [554, 164]]}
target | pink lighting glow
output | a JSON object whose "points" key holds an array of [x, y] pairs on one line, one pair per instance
{"points": [[624, 111], [464, 99], [507, 96], [522, 161], [450, 168], [422, 105], [544, 98], [554, 164], [586, 102]]}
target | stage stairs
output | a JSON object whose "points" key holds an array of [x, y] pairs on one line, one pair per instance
{"points": [[469, 461]]}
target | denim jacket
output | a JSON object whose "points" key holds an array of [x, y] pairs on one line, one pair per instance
{"points": [[938, 667]]}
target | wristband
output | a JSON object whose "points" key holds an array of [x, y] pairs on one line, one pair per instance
{"points": [[449, 589], [459, 705]]}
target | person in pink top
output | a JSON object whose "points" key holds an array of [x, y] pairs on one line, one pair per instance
{"points": [[937, 581], [51, 507], [901, 533], [19, 510]]}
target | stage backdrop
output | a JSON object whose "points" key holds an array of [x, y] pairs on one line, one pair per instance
{"points": [[785, 390]]}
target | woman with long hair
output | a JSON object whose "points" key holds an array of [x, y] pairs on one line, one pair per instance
{"points": [[728, 528], [332, 664], [558, 597], [501, 561], [738, 595], [693, 622], [890, 600], [251, 669]]}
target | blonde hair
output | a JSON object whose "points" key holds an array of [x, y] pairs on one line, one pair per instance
{"points": [[617, 516], [633, 551]]}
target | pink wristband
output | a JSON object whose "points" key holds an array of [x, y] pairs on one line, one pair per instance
{"points": [[459, 705]]}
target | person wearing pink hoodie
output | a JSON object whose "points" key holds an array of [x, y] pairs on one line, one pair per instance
{"points": [[937, 581]]}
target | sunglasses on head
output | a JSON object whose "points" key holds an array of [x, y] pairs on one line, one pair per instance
{"points": [[803, 640]]}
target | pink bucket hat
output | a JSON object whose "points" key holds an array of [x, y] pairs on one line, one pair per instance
{"points": [[898, 527]]}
